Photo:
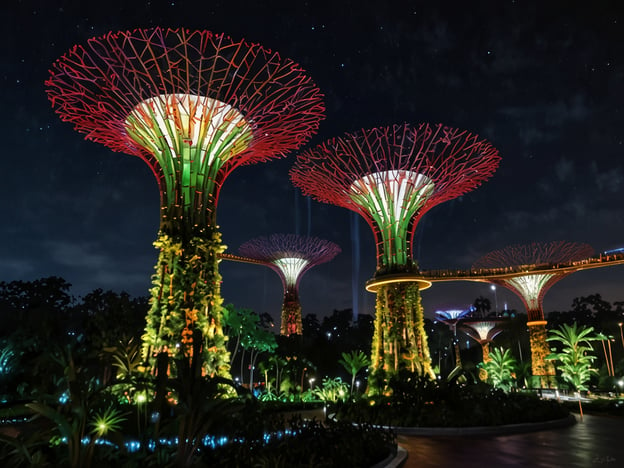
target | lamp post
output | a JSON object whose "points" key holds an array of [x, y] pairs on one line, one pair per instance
{"points": [[621, 335], [609, 340], [493, 288], [604, 349]]}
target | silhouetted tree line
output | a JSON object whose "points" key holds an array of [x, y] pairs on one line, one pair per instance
{"points": [[45, 308], [41, 318], [42, 322]]}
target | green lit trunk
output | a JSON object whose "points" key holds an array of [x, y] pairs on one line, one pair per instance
{"points": [[186, 296], [400, 341]]}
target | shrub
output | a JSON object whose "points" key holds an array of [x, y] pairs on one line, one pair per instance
{"points": [[421, 402]]}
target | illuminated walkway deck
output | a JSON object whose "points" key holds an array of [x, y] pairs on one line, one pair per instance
{"points": [[238, 258], [488, 274], [484, 275]]}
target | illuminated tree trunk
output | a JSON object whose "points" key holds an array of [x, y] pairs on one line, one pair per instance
{"points": [[194, 105], [291, 314], [458, 362], [186, 296], [540, 367], [400, 341], [485, 349]]}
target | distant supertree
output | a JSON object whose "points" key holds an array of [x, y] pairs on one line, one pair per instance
{"points": [[193, 105], [531, 288], [392, 176], [483, 332], [290, 256], [451, 317]]}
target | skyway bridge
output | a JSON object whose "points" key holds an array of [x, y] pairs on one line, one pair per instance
{"points": [[426, 277], [487, 274]]}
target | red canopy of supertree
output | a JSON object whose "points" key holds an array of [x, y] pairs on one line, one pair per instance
{"points": [[536, 253], [531, 287], [96, 86], [193, 104], [290, 255], [393, 175]]}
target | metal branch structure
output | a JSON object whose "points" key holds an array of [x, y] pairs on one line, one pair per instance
{"points": [[290, 256], [392, 176], [532, 286], [451, 317], [483, 332], [194, 105]]}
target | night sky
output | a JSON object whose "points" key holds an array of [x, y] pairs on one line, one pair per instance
{"points": [[542, 81]]}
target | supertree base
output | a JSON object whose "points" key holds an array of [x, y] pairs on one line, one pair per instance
{"points": [[400, 341], [542, 369], [186, 297], [291, 315]]}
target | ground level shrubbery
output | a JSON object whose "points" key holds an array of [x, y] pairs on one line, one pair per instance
{"points": [[232, 433], [420, 402]]}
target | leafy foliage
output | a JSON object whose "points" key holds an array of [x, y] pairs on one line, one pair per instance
{"points": [[332, 390], [354, 362], [106, 421], [400, 341], [310, 443], [574, 360], [418, 401], [500, 369], [186, 296], [246, 331]]}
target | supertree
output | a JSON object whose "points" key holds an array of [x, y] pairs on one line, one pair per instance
{"points": [[451, 317], [193, 105], [392, 176], [532, 286], [290, 256], [483, 332]]}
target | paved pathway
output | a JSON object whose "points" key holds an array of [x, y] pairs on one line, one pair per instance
{"points": [[598, 441]]}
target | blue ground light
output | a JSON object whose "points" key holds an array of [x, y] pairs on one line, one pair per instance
{"points": [[208, 441]]}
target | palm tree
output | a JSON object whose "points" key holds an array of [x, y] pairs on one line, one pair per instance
{"points": [[574, 358], [500, 368], [482, 306], [354, 362]]}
